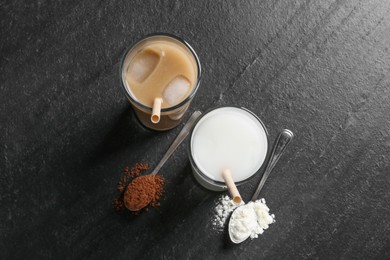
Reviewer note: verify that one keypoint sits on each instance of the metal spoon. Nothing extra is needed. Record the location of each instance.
(283, 139)
(178, 140)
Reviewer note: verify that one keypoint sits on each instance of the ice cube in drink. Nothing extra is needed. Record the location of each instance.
(176, 90)
(143, 65)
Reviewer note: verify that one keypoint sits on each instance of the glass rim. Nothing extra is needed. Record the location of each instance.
(183, 102)
(219, 183)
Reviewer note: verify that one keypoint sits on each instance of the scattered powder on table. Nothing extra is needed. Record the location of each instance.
(129, 173)
(224, 207)
(251, 220)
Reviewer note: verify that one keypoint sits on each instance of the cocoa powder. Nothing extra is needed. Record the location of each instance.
(143, 191)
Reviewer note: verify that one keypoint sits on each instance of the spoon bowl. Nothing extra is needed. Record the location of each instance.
(233, 216)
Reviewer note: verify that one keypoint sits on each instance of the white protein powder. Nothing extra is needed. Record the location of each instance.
(251, 220)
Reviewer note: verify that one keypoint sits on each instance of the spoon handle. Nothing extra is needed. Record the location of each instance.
(180, 137)
(280, 145)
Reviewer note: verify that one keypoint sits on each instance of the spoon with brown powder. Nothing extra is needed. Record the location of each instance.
(146, 189)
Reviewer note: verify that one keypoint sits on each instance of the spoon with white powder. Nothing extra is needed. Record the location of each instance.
(251, 219)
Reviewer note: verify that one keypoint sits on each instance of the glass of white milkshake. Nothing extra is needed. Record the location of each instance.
(231, 138)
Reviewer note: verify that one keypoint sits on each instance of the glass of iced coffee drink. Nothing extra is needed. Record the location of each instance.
(160, 75)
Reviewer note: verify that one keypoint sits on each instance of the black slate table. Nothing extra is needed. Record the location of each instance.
(319, 68)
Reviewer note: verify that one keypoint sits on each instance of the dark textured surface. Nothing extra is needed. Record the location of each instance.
(319, 68)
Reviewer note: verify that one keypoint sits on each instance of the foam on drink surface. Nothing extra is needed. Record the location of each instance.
(231, 138)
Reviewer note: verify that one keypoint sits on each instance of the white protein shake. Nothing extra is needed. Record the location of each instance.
(229, 138)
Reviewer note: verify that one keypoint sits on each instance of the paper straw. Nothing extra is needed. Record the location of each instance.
(155, 118)
(231, 186)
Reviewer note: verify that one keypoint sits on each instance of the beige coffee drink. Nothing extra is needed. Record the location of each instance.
(162, 69)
